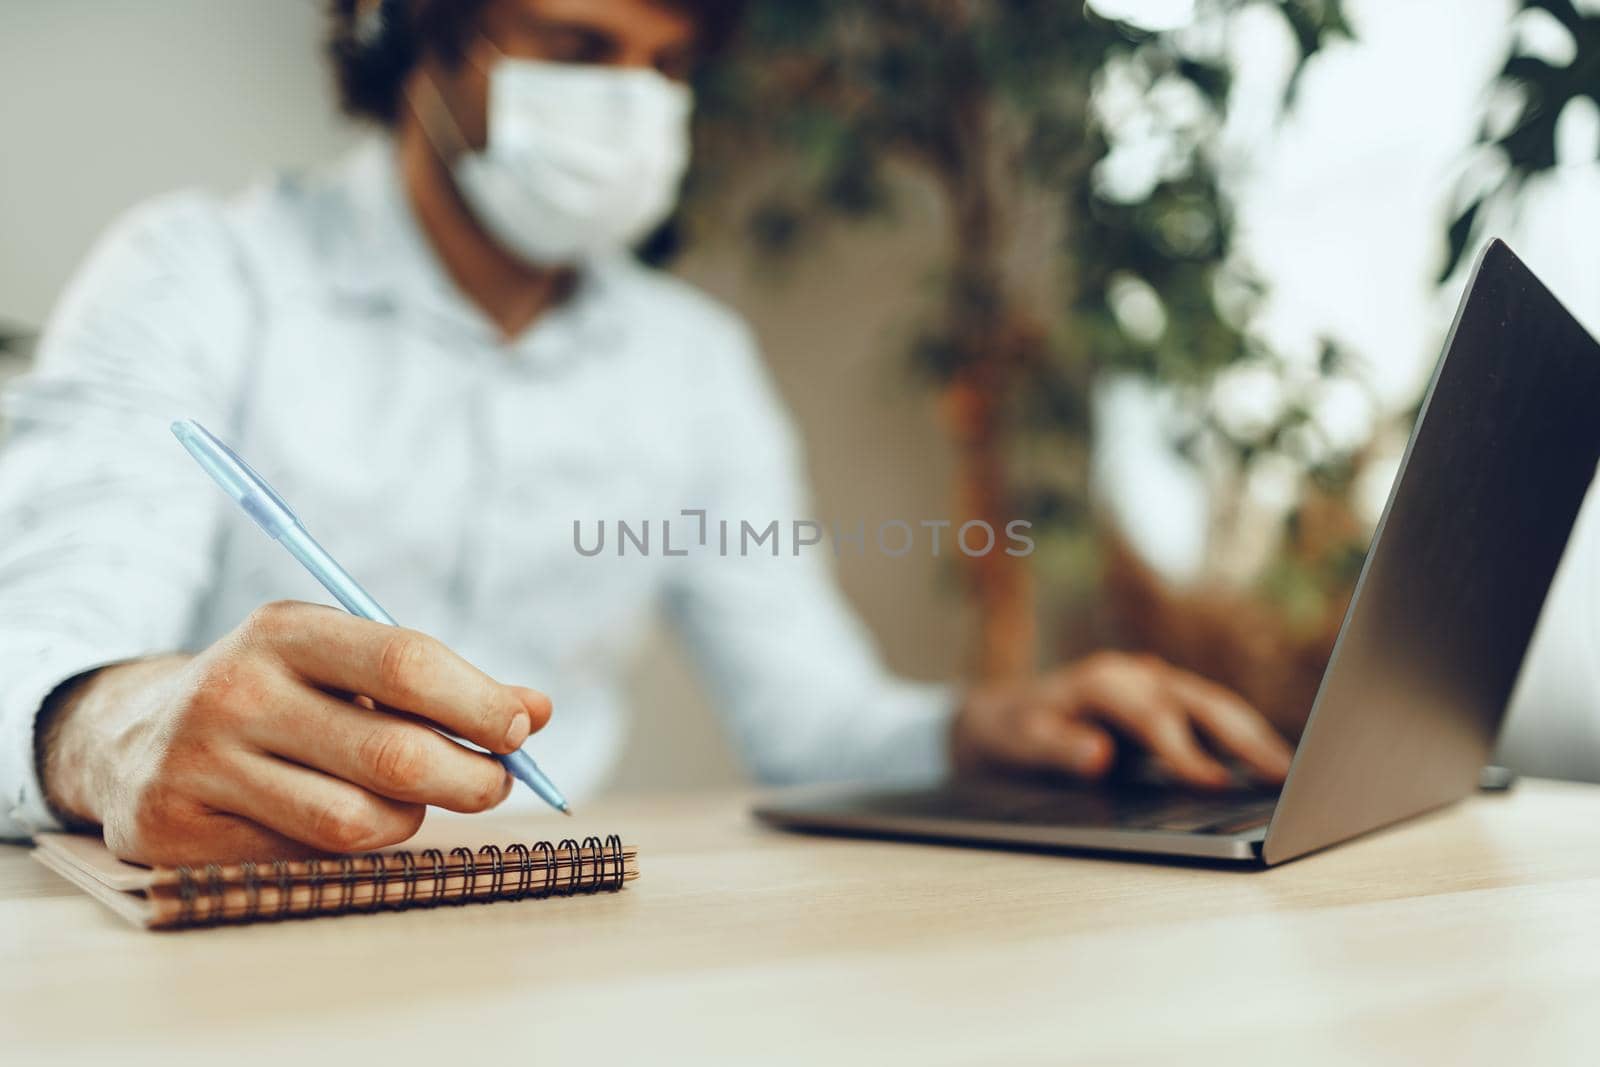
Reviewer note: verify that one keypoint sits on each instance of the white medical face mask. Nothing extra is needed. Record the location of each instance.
(580, 160)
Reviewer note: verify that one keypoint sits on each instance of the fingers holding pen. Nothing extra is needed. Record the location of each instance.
(402, 669)
(248, 749)
(316, 809)
(387, 754)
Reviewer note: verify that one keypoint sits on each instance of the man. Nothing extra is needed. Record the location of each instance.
(443, 352)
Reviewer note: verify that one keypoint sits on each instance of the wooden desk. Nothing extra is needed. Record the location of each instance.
(1470, 936)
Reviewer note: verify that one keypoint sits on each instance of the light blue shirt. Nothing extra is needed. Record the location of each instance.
(452, 495)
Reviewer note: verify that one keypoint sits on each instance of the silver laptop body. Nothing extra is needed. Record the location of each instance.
(1501, 456)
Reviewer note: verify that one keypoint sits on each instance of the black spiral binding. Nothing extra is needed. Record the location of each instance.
(347, 883)
(490, 873)
(380, 881)
(285, 898)
(252, 887)
(436, 875)
(469, 876)
(314, 883)
(186, 895)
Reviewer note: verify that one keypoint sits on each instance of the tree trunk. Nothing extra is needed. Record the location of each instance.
(989, 345)
(1001, 584)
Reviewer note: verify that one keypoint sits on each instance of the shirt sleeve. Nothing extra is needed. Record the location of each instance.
(796, 675)
(105, 547)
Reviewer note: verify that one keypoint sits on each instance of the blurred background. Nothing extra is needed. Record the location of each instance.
(1166, 277)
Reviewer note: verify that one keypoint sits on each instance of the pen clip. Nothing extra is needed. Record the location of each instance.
(236, 477)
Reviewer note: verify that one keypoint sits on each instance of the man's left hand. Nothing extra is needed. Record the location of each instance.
(1071, 721)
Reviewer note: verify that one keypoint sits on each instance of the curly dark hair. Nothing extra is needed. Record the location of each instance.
(373, 50)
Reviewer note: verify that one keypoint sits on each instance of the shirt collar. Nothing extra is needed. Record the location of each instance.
(390, 265)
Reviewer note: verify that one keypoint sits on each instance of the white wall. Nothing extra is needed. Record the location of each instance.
(106, 104)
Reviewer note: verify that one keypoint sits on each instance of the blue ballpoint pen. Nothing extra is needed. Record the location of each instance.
(273, 514)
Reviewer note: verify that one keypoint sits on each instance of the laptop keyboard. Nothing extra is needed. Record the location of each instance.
(1116, 807)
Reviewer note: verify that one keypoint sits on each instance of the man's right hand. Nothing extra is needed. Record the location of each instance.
(305, 730)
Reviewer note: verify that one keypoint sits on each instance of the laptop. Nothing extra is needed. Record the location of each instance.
(1500, 458)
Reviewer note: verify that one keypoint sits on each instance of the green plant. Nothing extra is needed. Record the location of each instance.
(1005, 104)
(1519, 144)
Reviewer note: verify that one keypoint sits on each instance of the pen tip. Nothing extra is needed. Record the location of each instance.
(566, 811)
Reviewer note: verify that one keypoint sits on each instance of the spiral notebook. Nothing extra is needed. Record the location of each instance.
(434, 869)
